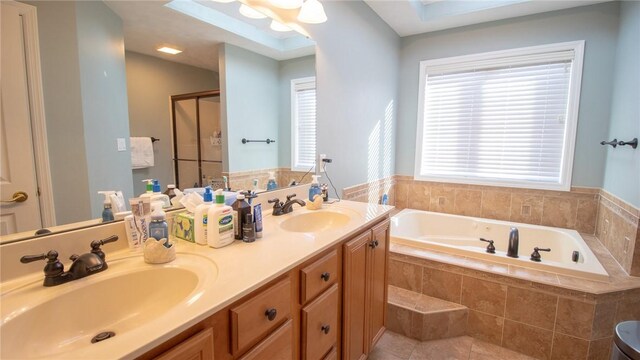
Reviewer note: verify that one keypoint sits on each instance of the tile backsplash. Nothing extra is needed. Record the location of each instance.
(587, 210)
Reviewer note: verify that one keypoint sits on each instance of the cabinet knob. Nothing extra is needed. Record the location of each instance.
(325, 276)
(271, 314)
(374, 244)
(325, 329)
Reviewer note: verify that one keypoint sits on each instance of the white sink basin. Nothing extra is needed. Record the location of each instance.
(315, 221)
(40, 322)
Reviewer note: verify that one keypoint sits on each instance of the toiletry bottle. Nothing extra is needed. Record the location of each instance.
(255, 186)
(257, 218)
(325, 192)
(241, 209)
(226, 183)
(158, 228)
(149, 188)
(315, 188)
(201, 217)
(158, 196)
(248, 229)
(220, 223)
(107, 214)
(272, 184)
(132, 233)
(171, 191)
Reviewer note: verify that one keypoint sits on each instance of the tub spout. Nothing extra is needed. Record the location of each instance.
(514, 238)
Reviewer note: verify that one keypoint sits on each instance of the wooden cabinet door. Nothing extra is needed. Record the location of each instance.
(320, 325)
(278, 346)
(197, 347)
(354, 296)
(377, 267)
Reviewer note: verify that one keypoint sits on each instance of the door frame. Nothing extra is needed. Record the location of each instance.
(36, 109)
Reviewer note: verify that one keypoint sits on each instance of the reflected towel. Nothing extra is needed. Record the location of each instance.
(141, 152)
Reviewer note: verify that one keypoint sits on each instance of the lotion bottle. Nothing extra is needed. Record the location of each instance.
(201, 217)
(220, 223)
(315, 188)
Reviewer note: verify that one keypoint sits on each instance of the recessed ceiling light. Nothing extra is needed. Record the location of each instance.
(286, 4)
(169, 50)
(251, 13)
(278, 26)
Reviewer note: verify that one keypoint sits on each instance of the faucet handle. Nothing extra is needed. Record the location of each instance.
(95, 245)
(52, 256)
(491, 249)
(535, 255)
(289, 197)
(275, 200)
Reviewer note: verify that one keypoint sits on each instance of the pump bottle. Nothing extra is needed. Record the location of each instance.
(107, 214)
(220, 223)
(315, 188)
(201, 217)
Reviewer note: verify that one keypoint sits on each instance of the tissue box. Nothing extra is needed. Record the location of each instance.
(183, 226)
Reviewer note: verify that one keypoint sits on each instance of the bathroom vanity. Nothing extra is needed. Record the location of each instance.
(314, 287)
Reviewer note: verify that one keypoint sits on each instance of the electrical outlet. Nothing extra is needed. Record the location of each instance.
(122, 144)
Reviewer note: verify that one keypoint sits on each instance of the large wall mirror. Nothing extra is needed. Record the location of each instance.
(104, 82)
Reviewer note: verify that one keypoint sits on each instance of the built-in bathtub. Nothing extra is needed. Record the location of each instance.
(461, 235)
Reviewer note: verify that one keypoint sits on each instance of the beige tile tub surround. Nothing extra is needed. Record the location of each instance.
(587, 210)
(543, 315)
(244, 179)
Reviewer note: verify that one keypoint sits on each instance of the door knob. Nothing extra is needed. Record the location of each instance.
(17, 197)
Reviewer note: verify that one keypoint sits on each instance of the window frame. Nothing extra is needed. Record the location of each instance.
(573, 105)
(294, 122)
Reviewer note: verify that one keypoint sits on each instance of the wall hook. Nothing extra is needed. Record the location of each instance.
(633, 143)
(613, 143)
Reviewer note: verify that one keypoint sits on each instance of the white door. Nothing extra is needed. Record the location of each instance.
(17, 169)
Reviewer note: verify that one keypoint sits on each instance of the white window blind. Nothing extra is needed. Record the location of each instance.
(303, 105)
(502, 121)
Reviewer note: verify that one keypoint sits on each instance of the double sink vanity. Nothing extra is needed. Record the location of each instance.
(313, 287)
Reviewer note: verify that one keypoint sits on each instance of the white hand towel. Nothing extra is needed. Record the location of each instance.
(141, 152)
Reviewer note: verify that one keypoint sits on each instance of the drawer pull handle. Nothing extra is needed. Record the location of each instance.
(325, 329)
(271, 314)
(325, 276)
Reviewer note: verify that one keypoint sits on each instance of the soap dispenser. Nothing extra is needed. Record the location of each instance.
(201, 217)
(149, 188)
(158, 196)
(107, 214)
(220, 223)
(272, 184)
(315, 188)
(158, 228)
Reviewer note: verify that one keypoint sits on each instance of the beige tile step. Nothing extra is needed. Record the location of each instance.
(423, 317)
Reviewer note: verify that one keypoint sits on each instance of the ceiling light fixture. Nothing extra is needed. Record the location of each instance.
(286, 4)
(168, 50)
(278, 26)
(223, 1)
(312, 12)
(251, 13)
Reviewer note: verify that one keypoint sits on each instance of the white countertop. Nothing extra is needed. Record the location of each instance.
(241, 269)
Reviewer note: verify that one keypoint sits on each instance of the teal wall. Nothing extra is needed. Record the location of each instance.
(250, 108)
(150, 83)
(103, 82)
(63, 109)
(357, 79)
(596, 24)
(622, 174)
(289, 70)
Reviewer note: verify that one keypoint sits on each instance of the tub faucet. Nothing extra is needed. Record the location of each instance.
(512, 251)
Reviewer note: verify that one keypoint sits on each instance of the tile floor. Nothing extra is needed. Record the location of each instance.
(393, 346)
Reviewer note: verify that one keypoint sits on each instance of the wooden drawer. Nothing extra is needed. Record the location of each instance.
(320, 325)
(278, 346)
(253, 319)
(332, 355)
(318, 276)
(197, 347)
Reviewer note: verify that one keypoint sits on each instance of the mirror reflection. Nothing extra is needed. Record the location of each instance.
(105, 90)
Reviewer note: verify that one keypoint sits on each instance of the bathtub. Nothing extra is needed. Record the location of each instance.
(461, 235)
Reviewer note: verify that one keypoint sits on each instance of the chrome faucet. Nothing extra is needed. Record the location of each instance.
(514, 238)
(83, 265)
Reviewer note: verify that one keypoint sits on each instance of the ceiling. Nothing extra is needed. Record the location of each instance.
(410, 17)
(149, 25)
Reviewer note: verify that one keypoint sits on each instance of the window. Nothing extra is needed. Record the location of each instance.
(303, 116)
(502, 118)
